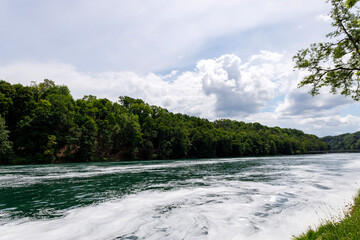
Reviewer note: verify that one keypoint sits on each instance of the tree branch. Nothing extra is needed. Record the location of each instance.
(352, 40)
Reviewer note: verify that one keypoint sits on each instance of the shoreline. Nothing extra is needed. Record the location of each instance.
(24, 160)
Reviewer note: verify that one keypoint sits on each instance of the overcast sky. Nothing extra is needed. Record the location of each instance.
(208, 58)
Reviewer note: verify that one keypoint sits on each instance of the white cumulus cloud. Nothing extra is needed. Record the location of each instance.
(220, 87)
(242, 89)
(262, 89)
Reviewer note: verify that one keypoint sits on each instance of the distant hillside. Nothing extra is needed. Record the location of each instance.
(349, 141)
(42, 123)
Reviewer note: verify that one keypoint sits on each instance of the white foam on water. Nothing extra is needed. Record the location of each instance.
(200, 213)
(227, 209)
(23, 176)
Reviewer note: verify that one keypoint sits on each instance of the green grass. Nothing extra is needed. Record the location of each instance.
(347, 228)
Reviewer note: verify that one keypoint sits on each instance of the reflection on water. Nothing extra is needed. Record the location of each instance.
(242, 198)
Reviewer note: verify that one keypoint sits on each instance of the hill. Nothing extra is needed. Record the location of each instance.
(348, 141)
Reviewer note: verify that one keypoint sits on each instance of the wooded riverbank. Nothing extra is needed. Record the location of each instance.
(42, 123)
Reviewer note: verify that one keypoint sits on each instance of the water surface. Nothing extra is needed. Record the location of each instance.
(241, 198)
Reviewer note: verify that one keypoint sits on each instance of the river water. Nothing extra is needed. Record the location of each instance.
(237, 198)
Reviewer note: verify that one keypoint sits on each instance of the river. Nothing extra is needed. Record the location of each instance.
(236, 198)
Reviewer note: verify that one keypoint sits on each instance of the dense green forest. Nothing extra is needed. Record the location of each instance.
(42, 123)
(349, 141)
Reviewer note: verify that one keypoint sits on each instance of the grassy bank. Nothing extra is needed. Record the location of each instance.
(347, 228)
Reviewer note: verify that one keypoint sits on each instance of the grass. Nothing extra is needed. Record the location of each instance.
(333, 229)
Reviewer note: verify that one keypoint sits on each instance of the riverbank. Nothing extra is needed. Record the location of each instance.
(347, 228)
(45, 124)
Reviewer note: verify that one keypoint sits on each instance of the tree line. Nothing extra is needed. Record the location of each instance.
(43, 123)
(348, 141)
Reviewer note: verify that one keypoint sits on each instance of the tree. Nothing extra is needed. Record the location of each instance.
(41, 88)
(87, 141)
(127, 135)
(49, 151)
(22, 104)
(128, 101)
(351, 3)
(47, 130)
(6, 151)
(335, 63)
(7, 92)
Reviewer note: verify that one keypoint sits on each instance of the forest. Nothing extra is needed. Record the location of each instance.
(43, 123)
(348, 141)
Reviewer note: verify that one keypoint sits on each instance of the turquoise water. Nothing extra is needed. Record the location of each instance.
(242, 198)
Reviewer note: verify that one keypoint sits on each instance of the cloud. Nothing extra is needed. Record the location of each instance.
(262, 89)
(324, 125)
(179, 93)
(221, 87)
(332, 121)
(242, 89)
(299, 103)
(321, 114)
(140, 36)
(323, 17)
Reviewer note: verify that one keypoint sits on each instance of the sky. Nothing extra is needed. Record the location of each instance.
(213, 59)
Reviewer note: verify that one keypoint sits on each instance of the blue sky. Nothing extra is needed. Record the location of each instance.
(213, 59)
